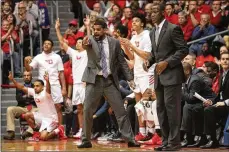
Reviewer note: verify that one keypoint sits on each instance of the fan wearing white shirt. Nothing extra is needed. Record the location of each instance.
(50, 62)
(79, 63)
(46, 119)
(140, 47)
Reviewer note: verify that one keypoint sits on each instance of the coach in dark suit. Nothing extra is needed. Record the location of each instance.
(193, 110)
(218, 109)
(169, 49)
(104, 59)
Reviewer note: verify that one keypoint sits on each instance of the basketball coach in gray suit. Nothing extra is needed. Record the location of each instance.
(104, 59)
(168, 49)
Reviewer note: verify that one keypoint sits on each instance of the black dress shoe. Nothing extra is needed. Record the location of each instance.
(85, 145)
(184, 143)
(172, 148)
(133, 143)
(210, 144)
(160, 148)
(199, 141)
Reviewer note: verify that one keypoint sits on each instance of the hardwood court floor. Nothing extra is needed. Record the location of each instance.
(70, 145)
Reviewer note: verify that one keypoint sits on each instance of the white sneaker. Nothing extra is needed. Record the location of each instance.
(78, 134)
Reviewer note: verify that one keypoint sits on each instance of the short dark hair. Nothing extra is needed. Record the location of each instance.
(79, 38)
(223, 54)
(48, 39)
(141, 17)
(212, 65)
(123, 30)
(101, 22)
(161, 6)
(39, 80)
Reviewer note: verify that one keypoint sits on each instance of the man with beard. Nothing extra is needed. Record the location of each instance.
(206, 56)
(101, 77)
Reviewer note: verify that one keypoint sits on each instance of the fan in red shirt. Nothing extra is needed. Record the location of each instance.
(127, 19)
(206, 56)
(215, 14)
(6, 33)
(72, 33)
(185, 26)
(194, 15)
(169, 14)
(203, 8)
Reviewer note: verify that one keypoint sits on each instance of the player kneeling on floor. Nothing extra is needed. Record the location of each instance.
(45, 120)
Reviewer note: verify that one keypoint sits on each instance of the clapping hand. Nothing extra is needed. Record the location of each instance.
(86, 40)
(28, 59)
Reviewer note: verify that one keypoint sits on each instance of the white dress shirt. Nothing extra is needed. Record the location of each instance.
(160, 25)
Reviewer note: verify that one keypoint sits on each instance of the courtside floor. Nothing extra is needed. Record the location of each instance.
(70, 145)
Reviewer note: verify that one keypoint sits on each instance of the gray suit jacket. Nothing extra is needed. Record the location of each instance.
(172, 48)
(116, 61)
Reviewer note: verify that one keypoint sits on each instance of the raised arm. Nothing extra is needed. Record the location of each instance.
(48, 87)
(18, 85)
(59, 36)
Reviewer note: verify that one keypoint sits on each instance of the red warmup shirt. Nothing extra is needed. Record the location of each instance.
(72, 38)
(187, 31)
(201, 59)
(172, 18)
(215, 20)
(215, 84)
(196, 15)
(204, 9)
(5, 44)
(68, 73)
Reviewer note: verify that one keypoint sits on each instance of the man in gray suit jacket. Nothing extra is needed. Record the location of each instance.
(169, 49)
(104, 59)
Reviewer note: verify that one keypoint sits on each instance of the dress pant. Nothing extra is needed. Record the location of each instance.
(15, 112)
(212, 115)
(169, 112)
(193, 118)
(94, 92)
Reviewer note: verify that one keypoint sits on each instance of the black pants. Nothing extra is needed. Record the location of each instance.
(169, 112)
(213, 115)
(193, 118)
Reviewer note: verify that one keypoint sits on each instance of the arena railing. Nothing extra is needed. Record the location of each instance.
(21, 42)
(207, 37)
(31, 38)
(40, 30)
(11, 44)
(54, 3)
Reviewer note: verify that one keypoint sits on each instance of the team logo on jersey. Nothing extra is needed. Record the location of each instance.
(137, 43)
(78, 57)
(37, 100)
(49, 61)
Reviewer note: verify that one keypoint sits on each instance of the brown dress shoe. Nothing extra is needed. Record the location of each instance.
(9, 136)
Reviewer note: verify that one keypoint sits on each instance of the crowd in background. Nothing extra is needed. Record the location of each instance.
(197, 19)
